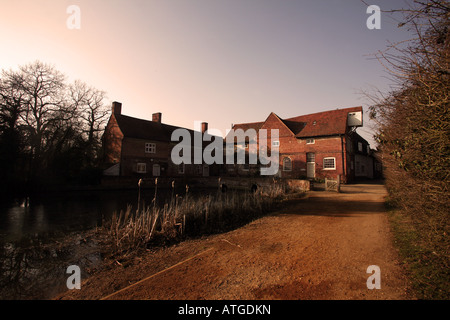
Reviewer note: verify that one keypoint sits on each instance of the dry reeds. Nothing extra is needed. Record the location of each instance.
(187, 215)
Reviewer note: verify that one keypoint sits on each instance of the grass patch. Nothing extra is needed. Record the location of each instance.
(425, 257)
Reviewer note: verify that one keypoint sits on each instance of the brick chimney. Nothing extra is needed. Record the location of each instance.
(116, 107)
(204, 127)
(156, 117)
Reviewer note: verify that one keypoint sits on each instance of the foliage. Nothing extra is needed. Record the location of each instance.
(414, 130)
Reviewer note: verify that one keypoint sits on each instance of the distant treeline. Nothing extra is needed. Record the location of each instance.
(414, 137)
(50, 131)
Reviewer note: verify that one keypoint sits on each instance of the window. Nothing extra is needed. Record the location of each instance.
(276, 143)
(287, 164)
(310, 141)
(310, 157)
(329, 163)
(150, 148)
(141, 168)
(360, 146)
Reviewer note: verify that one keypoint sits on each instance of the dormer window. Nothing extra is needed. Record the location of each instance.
(310, 141)
(314, 123)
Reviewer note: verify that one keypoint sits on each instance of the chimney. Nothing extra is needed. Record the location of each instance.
(204, 127)
(116, 107)
(156, 117)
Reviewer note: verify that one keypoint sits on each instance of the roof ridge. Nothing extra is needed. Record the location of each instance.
(326, 111)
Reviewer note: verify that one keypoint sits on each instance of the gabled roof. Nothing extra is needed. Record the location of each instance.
(326, 123)
(144, 129)
(333, 122)
(148, 130)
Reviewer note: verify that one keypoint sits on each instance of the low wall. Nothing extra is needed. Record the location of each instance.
(247, 183)
(298, 185)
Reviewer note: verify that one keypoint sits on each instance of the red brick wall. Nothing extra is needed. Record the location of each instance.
(297, 149)
(112, 142)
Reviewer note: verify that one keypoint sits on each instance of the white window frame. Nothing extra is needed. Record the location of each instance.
(284, 165)
(276, 143)
(334, 163)
(141, 167)
(150, 147)
(310, 141)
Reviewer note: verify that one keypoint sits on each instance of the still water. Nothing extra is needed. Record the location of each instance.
(31, 266)
(58, 213)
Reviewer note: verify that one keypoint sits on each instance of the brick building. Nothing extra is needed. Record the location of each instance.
(142, 148)
(319, 145)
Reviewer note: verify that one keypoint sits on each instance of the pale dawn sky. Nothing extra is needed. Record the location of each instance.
(219, 61)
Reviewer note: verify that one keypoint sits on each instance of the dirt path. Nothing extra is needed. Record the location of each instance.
(316, 248)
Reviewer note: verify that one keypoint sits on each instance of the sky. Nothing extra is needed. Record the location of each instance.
(217, 61)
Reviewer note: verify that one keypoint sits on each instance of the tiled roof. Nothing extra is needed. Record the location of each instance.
(144, 129)
(326, 123)
(148, 130)
(245, 126)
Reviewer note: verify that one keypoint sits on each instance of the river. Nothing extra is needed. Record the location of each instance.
(32, 267)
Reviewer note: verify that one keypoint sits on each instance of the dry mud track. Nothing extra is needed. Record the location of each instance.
(318, 247)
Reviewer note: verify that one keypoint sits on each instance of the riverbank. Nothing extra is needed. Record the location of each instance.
(318, 247)
(35, 267)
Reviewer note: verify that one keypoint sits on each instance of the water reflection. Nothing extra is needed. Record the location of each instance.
(41, 236)
(60, 213)
(32, 269)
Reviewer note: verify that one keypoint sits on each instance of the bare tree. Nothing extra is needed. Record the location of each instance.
(11, 142)
(91, 111)
(43, 105)
(58, 125)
